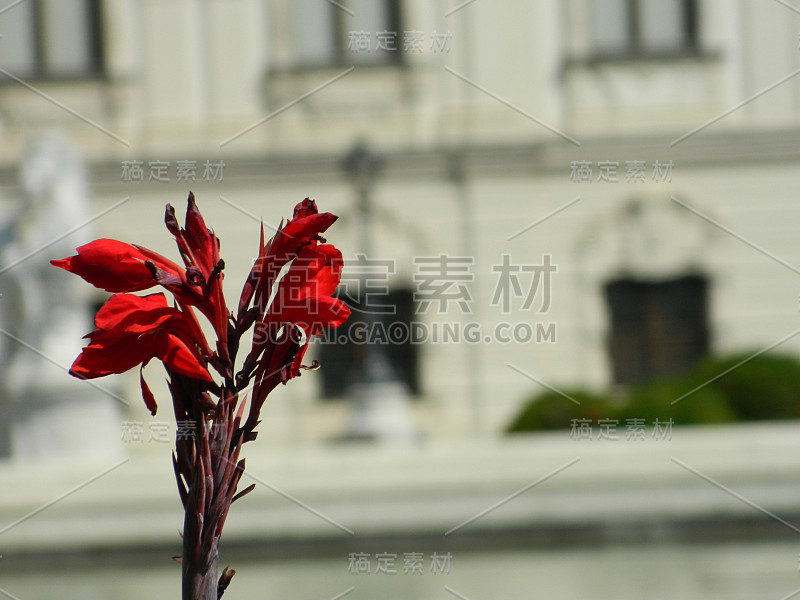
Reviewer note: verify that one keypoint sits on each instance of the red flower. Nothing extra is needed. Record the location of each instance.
(119, 267)
(303, 295)
(301, 232)
(302, 305)
(131, 330)
(199, 248)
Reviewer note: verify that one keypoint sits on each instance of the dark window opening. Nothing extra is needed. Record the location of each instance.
(342, 351)
(658, 329)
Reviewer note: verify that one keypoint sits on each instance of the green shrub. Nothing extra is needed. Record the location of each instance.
(735, 388)
(550, 410)
(761, 388)
(667, 399)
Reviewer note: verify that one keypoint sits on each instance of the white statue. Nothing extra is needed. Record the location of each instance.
(44, 311)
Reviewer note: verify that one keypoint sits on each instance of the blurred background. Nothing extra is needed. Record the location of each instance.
(570, 233)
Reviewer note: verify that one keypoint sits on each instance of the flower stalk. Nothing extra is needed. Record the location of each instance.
(286, 300)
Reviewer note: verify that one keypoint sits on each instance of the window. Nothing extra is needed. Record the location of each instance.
(657, 328)
(323, 34)
(51, 39)
(633, 28)
(391, 335)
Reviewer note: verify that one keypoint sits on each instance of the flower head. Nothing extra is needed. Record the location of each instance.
(131, 330)
(291, 309)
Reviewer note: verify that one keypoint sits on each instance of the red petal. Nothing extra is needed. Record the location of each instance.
(110, 265)
(134, 314)
(321, 312)
(330, 313)
(159, 260)
(315, 272)
(178, 357)
(294, 236)
(147, 395)
(328, 274)
(111, 352)
(298, 232)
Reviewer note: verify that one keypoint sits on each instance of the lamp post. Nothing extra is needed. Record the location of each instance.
(380, 399)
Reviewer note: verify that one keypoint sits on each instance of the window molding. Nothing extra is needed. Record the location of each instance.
(597, 59)
(339, 55)
(636, 49)
(42, 71)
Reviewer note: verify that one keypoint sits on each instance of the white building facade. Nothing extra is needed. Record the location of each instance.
(578, 144)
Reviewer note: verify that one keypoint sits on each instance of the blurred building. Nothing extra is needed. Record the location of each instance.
(582, 193)
(533, 195)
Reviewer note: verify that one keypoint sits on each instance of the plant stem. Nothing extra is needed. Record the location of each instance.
(199, 563)
(200, 581)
